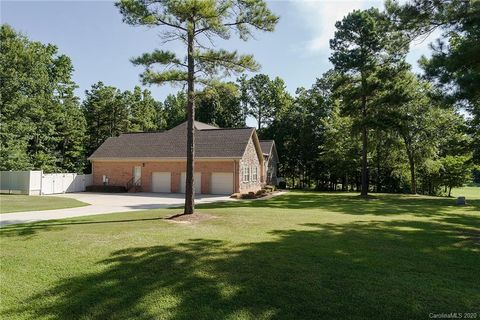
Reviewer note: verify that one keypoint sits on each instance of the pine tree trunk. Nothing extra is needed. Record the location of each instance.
(189, 183)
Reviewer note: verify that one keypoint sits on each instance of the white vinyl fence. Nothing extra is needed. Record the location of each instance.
(39, 183)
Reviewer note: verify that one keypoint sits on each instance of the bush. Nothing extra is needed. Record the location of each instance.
(269, 188)
(250, 195)
(109, 189)
(282, 185)
(261, 192)
(236, 196)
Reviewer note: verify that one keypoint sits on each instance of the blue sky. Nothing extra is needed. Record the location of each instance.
(100, 45)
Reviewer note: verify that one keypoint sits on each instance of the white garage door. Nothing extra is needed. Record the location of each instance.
(161, 181)
(222, 183)
(197, 181)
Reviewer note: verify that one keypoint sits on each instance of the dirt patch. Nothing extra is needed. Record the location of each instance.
(187, 218)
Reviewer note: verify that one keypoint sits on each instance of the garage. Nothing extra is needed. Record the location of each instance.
(161, 181)
(197, 181)
(222, 183)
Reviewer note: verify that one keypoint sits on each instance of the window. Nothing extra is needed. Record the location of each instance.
(254, 173)
(246, 174)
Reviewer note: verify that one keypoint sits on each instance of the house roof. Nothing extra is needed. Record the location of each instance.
(210, 142)
(269, 149)
(266, 146)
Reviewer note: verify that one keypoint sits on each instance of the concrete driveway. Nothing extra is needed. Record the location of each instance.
(101, 203)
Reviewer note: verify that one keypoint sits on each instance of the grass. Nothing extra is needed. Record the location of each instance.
(19, 203)
(302, 255)
(472, 192)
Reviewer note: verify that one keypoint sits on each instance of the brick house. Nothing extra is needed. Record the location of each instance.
(226, 160)
(270, 160)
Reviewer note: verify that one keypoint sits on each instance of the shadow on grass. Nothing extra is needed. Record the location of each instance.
(349, 203)
(30, 229)
(381, 270)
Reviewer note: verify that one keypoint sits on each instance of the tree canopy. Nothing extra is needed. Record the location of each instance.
(367, 53)
(368, 124)
(42, 125)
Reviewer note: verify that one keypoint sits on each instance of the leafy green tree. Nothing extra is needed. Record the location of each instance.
(413, 117)
(106, 112)
(455, 172)
(389, 172)
(38, 107)
(298, 130)
(263, 97)
(192, 22)
(160, 116)
(340, 150)
(426, 126)
(429, 176)
(175, 109)
(220, 105)
(366, 54)
(454, 65)
(142, 110)
(71, 130)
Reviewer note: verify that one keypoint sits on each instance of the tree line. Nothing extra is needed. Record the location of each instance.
(368, 124)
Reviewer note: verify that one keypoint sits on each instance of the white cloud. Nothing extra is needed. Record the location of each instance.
(321, 15)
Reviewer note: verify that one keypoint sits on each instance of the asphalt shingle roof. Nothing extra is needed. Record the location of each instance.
(210, 142)
(266, 146)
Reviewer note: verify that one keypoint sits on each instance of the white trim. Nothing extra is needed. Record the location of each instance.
(254, 174)
(245, 173)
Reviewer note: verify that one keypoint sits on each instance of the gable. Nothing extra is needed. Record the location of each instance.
(254, 144)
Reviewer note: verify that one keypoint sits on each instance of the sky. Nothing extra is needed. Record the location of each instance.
(100, 45)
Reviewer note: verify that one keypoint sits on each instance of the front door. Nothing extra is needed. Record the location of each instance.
(137, 174)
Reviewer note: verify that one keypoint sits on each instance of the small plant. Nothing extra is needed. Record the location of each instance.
(261, 193)
(269, 188)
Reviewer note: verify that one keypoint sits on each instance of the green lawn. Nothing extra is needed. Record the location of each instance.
(468, 192)
(297, 256)
(20, 203)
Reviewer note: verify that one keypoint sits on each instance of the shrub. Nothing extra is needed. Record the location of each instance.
(282, 185)
(261, 192)
(250, 195)
(269, 188)
(109, 189)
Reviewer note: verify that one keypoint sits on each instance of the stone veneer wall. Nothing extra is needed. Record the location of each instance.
(250, 159)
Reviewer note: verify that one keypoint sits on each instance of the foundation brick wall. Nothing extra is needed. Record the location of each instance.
(120, 172)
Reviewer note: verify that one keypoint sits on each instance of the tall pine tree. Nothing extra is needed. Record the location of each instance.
(366, 54)
(191, 22)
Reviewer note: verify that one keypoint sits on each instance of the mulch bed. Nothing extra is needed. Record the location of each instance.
(270, 195)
